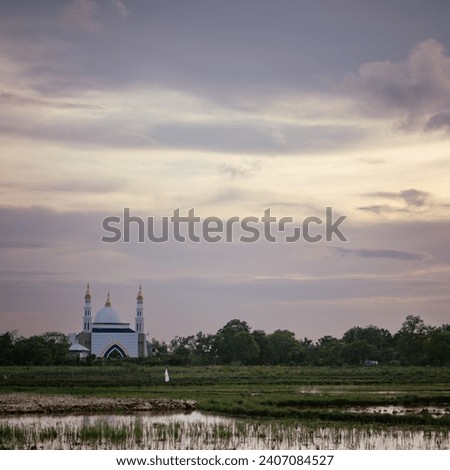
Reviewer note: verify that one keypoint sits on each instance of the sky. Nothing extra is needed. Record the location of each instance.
(230, 109)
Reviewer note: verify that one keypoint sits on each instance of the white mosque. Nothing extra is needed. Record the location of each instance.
(106, 336)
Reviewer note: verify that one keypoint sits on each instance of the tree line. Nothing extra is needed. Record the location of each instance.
(235, 343)
(48, 349)
(414, 344)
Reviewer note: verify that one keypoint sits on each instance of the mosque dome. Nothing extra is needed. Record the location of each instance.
(107, 314)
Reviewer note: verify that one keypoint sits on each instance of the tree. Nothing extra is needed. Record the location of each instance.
(413, 324)
(46, 349)
(379, 341)
(204, 348)
(284, 348)
(329, 351)
(180, 350)
(262, 341)
(33, 351)
(57, 345)
(234, 343)
(358, 351)
(437, 346)
(410, 340)
(160, 349)
(378, 337)
(7, 344)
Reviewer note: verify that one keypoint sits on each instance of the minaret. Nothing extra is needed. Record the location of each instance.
(140, 312)
(87, 319)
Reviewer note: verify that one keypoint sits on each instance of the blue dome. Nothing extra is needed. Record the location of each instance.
(106, 315)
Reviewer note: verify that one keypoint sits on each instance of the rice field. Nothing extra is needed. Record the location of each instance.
(200, 431)
(239, 407)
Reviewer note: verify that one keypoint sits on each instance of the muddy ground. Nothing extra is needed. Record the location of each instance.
(22, 403)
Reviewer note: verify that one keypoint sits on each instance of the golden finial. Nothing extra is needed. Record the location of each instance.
(87, 296)
(140, 296)
(108, 301)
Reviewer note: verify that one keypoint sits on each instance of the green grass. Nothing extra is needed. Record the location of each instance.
(130, 374)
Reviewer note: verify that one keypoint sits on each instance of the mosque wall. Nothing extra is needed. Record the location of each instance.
(102, 342)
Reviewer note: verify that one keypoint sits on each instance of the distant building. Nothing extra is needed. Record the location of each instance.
(106, 336)
(370, 363)
(76, 350)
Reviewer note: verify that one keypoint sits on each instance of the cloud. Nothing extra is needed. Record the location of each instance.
(438, 121)
(372, 161)
(411, 197)
(400, 255)
(88, 16)
(23, 245)
(80, 16)
(121, 8)
(21, 100)
(253, 135)
(281, 277)
(245, 169)
(78, 186)
(39, 227)
(416, 90)
(380, 209)
(411, 200)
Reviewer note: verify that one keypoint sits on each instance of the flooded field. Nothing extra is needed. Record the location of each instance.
(125, 406)
(434, 411)
(202, 431)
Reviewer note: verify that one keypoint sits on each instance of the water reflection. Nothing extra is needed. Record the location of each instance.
(201, 431)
